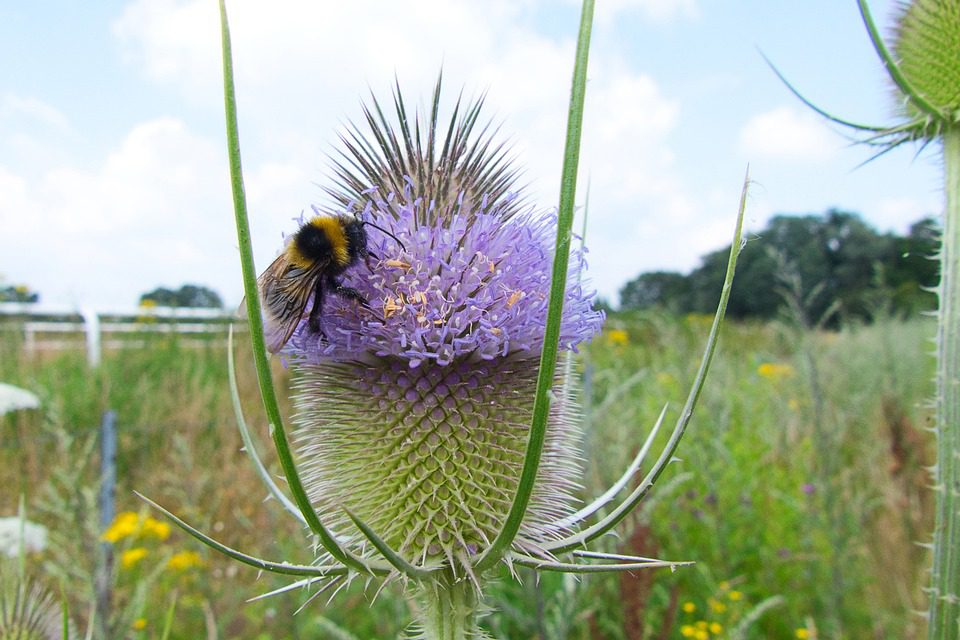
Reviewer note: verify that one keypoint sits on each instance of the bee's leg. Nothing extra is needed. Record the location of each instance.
(349, 293)
(314, 321)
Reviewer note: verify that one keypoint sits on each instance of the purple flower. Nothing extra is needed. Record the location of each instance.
(469, 286)
(413, 412)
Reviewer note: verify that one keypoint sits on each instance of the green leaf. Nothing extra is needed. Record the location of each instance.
(618, 514)
(551, 339)
(261, 362)
(264, 565)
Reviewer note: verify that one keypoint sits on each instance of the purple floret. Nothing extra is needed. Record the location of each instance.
(469, 285)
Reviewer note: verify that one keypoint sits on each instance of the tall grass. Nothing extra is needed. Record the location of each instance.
(749, 501)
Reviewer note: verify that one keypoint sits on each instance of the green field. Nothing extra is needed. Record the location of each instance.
(801, 493)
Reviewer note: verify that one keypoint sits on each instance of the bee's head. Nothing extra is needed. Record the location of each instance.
(356, 238)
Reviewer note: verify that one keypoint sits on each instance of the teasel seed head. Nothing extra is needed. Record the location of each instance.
(926, 41)
(414, 415)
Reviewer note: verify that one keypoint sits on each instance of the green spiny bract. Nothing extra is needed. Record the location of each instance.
(27, 610)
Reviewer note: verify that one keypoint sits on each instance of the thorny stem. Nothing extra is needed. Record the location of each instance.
(944, 620)
(450, 609)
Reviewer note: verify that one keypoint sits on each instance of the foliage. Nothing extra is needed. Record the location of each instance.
(856, 267)
(745, 502)
(189, 295)
(18, 293)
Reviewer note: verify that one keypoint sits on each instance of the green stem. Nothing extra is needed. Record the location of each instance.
(450, 609)
(558, 288)
(945, 576)
(261, 362)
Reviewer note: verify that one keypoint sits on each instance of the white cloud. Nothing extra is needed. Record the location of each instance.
(153, 212)
(785, 133)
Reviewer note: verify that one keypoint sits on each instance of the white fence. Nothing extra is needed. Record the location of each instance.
(51, 328)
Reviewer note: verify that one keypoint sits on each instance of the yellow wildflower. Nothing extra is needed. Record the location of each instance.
(689, 607)
(701, 634)
(716, 605)
(184, 560)
(124, 525)
(802, 634)
(687, 631)
(155, 528)
(775, 371)
(139, 624)
(131, 557)
(735, 595)
(725, 585)
(716, 628)
(617, 337)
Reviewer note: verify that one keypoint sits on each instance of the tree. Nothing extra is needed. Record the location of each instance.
(667, 289)
(18, 293)
(188, 295)
(852, 265)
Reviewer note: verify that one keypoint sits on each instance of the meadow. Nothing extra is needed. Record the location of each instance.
(801, 490)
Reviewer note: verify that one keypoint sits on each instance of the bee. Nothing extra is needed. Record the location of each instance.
(319, 252)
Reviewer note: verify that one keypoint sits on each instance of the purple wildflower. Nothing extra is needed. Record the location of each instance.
(413, 414)
(469, 286)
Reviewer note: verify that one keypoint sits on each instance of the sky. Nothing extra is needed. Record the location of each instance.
(113, 173)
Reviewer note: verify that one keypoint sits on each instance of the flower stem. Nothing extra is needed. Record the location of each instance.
(450, 609)
(944, 621)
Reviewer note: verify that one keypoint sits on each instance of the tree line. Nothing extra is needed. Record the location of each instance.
(188, 295)
(842, 263)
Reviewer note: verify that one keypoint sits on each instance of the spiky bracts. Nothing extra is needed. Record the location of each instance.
(415, 416)
(464, 166)
(28, 611)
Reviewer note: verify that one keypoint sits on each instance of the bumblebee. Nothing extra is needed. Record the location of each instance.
(319, 252)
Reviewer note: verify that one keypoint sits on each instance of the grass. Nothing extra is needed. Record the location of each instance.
(801, 491)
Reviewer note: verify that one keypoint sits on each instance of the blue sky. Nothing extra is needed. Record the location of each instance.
(112, 154)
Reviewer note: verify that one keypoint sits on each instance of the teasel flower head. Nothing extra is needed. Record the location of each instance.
(27, 610)
(413, 414)
(436, 437)
(925, 44)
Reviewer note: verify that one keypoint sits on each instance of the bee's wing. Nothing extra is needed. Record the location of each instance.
(284, 292)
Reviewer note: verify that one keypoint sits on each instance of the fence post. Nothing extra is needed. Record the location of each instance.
(91, 325)
(105, 504)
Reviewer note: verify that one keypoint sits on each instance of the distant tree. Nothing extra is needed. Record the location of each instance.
(853, 266)
(18, 293)
(188, 295)
(667, 289)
